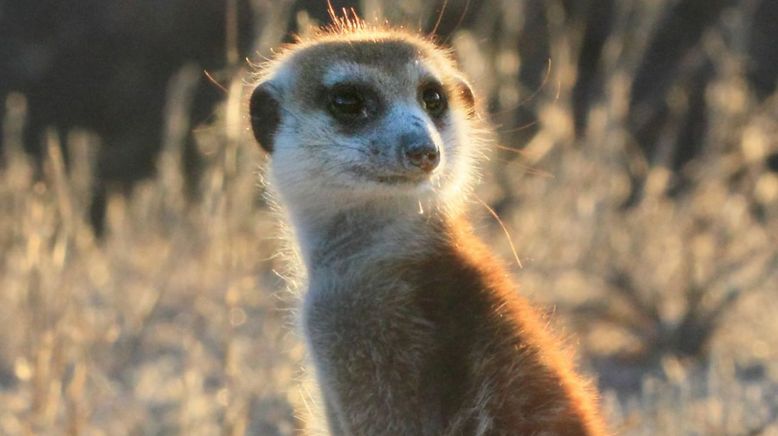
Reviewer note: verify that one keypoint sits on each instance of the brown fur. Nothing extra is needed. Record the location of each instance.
(481, 315)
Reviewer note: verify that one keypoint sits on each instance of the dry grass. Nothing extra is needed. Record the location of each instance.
(176, 322)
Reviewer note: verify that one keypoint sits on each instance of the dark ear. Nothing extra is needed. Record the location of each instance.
(265, 115)
(466, 96)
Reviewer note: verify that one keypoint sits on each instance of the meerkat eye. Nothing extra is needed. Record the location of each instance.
(433, 99)
(346, 102)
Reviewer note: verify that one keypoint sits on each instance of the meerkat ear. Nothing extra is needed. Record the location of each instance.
(465, 92)
(265, 114)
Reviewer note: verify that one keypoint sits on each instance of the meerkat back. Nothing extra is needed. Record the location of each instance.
(412, 325)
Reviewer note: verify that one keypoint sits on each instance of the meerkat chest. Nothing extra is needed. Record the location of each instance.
(365, 258)
(367, 284)
(364, 318)
(363, 287)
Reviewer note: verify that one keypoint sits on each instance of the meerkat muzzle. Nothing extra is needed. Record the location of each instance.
(420, 152)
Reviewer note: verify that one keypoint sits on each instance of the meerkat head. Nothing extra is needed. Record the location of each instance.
(356, 114)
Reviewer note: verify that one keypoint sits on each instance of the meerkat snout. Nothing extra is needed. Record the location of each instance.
(419, 151)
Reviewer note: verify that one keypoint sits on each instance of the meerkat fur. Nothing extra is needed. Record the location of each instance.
(412, 325)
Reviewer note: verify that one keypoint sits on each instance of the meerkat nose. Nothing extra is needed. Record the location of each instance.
(422, 154)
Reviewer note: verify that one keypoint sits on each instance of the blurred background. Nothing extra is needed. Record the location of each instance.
(636, 171)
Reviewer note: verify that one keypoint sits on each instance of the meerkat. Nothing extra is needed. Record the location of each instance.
(413, 326)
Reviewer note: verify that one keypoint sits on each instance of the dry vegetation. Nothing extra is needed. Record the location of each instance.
(176, 320)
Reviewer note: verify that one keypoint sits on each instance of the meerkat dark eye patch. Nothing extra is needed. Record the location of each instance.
(352, 104)
(346, 101)
(265, 114)
(433, 99)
